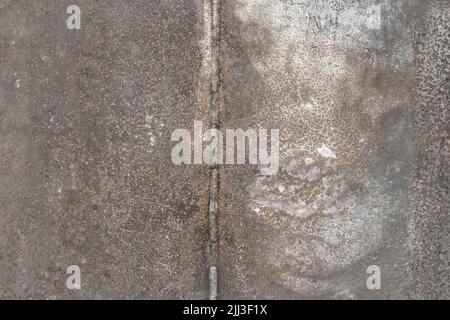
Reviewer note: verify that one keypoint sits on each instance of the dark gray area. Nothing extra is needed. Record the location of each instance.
(360, 91)
(86, 118)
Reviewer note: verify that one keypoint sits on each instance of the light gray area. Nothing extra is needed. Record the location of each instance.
(360, 91)
(362, 106)
(336, 87)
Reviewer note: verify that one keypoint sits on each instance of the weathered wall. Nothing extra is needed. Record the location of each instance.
(432, 138)
(336, 78)
(359, 90)
(86, 118)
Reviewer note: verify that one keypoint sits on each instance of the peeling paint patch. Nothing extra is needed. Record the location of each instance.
(326, 152)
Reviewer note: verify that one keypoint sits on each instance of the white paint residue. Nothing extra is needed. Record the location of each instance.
(326, 152)
(373, 20)
(324, 226)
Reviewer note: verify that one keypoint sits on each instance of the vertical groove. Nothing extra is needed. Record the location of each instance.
(212, 23)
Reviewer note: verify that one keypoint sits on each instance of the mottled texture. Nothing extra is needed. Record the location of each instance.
(337, 79)
(432, 127)
(86, 117)
(359, 89)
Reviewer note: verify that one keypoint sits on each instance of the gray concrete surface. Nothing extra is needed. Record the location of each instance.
(87, 179)
(359, 90)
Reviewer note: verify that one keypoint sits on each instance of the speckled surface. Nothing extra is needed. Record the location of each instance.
(337, 78)
(359, 90)
(85, 151)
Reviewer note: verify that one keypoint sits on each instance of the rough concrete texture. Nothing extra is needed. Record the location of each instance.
(87, 179)
(360, 91)
(338, 78)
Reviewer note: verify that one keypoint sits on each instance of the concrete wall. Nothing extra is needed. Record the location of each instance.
(358, 89)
